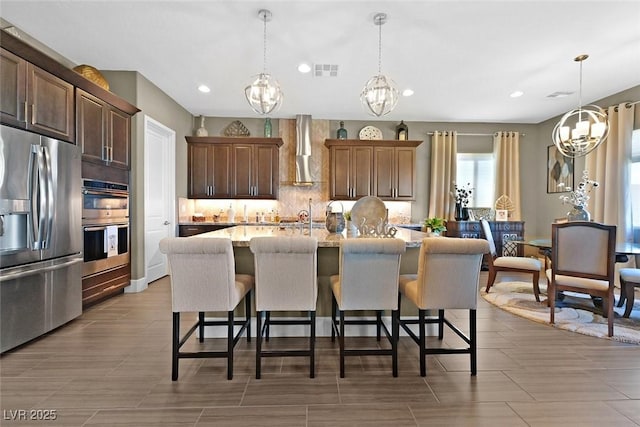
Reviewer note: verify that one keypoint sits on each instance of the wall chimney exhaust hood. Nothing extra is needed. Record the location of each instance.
(303, 150)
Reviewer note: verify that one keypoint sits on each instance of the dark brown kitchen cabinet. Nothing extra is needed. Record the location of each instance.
(34, 99)
(351, 172)
(384, 168)
(394, 173)
(104, 132)
(233, 167)
(209, 167)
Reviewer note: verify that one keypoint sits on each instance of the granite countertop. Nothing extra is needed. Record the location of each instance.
(315, 222)
(241, 234)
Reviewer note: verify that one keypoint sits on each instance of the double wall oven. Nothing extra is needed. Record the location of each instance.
(105, 223)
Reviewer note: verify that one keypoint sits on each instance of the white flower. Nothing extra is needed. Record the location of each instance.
(580, 196)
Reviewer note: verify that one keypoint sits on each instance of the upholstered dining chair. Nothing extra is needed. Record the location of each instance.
(512, 264)
(286, 280)
(448, 278)
(582, 260)
(629, 280)
(203, 280)
(367, 280)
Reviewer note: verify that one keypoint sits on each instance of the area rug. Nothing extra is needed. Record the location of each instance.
(572, 313)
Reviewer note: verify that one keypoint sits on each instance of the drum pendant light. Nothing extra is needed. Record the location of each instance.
(380, 95)
(580, 131)
(264, 94)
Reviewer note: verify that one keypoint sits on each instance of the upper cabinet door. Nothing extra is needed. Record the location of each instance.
(243, 169)
(200, 171)
(91, 126)
(118, 138)
(384, 170)
(50, 106)
(361, 172)
(340, 173)
(405, 173)
(13, 88)
(265, 176)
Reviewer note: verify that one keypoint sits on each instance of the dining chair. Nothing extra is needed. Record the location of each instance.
(582, 260)
(447, 278)
(286, 280)
(203, 279)
(511, 264)
(367, 280)
(629, 280)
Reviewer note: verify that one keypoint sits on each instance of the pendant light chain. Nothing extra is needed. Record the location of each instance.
(264, 44)
(380, 46)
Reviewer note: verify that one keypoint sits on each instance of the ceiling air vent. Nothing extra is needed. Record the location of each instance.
(325, 70)
(559, 94)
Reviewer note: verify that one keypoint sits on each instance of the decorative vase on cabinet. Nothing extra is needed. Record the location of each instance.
(202, 131)
(267, 127)
(342, 132)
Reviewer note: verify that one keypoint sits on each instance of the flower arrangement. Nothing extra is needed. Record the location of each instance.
(580, 196)
(462, 194)
(435, 224)
(347, 215)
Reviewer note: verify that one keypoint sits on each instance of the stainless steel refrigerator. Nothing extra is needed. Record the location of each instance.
(40, 235)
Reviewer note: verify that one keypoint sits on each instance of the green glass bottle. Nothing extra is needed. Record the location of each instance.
(267, 127)
(342, 132)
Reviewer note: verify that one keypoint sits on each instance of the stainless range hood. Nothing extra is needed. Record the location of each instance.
(303, 150)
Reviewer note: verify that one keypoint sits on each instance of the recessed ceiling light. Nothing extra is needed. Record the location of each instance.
(204, 89)
(304, 67)
(407, 92)
(517, 94)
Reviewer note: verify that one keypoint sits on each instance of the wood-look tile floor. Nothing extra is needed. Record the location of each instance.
(111, 367)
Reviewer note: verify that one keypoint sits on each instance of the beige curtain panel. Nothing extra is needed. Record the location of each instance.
(444, 146)
(506, 146)
(610, 165)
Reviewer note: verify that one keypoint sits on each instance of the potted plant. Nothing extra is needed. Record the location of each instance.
(351, 227)
(435, 226)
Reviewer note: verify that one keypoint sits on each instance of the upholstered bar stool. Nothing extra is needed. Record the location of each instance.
(203, 279)
(368, 280)
(448, 275)
(286, 280)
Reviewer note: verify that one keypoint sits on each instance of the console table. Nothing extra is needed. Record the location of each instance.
(503, 232)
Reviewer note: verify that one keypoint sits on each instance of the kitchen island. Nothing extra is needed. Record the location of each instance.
(328, 255)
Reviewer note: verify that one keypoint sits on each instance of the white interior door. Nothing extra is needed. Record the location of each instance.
(159, 200)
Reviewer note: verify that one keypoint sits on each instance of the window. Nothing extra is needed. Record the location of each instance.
(478, 169)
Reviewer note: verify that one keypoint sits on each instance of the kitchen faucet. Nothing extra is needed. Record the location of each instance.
(310, 218)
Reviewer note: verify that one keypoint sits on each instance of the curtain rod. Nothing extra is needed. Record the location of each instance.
(627, 105)
(478, 134)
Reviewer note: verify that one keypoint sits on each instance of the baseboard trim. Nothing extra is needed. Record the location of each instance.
(323, 328)
(135, 286)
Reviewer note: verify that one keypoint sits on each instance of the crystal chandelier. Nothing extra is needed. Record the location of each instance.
(380, 94)
(264, 94)
(580, 131)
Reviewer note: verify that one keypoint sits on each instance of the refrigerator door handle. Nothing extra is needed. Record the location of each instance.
(50, 197)
(37, 202)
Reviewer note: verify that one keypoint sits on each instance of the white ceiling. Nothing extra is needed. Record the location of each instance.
(462, 58)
